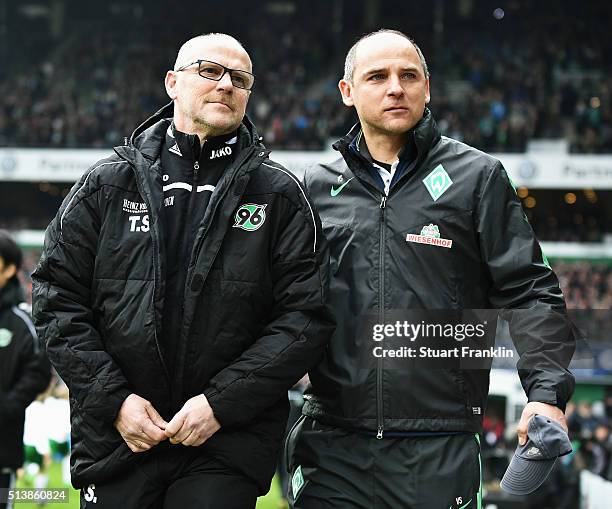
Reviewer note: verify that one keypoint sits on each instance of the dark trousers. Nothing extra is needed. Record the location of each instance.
(7, 481)
(332, 468)
(176, 478)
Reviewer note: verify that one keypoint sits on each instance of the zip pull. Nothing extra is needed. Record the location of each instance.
(379, 434)
(383, 201)
(196, 168)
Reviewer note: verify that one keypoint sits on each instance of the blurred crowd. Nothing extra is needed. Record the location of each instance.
(590, 426)
(585, 285)
(555, 224)
(497, 81)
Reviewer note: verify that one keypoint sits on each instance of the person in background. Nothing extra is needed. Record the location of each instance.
(24, 368)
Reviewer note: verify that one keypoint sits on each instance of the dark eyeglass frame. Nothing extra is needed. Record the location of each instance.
(225, 71)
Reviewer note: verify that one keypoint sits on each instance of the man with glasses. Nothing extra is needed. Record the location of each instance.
(180, 295)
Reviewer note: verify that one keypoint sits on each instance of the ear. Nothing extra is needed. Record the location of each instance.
(10, 271)
(170, 83)
(347, 92)
(427, 95)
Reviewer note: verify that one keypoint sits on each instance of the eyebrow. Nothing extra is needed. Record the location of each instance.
(377, 70)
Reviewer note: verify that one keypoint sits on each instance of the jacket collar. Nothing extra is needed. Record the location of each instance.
(188, 146)
(425, 135)
(148, 137)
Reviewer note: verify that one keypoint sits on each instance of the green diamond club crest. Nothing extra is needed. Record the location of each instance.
(297, 481)
(250, 216)
(437, 182)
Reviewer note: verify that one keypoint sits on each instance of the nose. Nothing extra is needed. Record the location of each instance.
(394, 86)
(225, 83)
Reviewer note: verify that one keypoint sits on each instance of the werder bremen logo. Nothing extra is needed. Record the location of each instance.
(297, 481)
(437, 182)
(250, 216)
(431, 230)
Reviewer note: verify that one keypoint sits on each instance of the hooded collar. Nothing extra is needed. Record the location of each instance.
(188, 146)
(11, 294)
(149, 136)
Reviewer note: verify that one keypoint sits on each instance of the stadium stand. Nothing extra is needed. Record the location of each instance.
(502, 77)
(497, 83)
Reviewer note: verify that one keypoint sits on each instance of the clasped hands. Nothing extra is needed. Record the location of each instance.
(142, 427)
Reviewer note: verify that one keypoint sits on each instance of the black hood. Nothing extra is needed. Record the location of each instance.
(149, 135)
(12, 294)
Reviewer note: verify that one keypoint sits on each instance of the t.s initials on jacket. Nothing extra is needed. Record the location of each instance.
(450, 235)
(254, 318)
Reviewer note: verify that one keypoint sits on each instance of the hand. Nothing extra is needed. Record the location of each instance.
(139, 424)
(193, 424)
(535, 407)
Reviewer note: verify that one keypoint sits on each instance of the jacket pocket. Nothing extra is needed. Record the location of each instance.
(426, 393)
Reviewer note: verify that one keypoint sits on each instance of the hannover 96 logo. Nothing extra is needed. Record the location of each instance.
(250, 216)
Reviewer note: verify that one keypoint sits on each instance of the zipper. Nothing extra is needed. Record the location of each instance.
(379, 362)
(192, 200)
(194, 192)
(199, 241)
(195, 253)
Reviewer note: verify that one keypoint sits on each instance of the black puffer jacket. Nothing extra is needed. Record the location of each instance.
(450, 236)
(24, 372)
(254, 315)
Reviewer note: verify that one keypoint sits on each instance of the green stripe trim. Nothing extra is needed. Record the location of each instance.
(479, 495)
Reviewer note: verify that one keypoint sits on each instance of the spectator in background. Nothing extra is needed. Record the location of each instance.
(69, 98)
(600, 450)
(588, 422)
(24, 369)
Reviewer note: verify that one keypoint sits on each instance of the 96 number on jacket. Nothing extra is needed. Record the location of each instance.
(250, 216)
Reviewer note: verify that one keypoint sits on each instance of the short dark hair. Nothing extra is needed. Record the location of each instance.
(10, 252)
(349, 63)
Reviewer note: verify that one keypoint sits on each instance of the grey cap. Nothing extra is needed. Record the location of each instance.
(533, 462)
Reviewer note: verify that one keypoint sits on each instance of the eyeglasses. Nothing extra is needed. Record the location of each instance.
(214, 71)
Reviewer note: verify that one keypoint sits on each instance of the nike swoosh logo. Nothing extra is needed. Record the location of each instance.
(463, 506)
(336, 191)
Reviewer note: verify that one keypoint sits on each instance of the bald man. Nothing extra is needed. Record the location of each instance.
(180, 294)
(417, 222)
